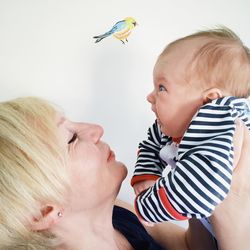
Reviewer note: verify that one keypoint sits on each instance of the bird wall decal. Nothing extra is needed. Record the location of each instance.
(121, 30)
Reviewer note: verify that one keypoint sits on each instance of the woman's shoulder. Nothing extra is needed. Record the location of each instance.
(125, 221)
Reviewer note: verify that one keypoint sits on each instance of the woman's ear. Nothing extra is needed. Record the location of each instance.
(211, 94)
(49, 216)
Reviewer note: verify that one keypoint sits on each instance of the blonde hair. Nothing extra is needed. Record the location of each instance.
(33, 170)
(222, 61)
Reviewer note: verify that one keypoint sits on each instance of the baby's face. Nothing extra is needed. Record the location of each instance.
(173, 100)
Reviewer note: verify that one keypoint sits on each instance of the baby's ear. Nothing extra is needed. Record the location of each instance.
(211, 94)
(49, 215)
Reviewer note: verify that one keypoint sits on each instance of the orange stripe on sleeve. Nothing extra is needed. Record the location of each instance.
(145, 177)
(168, 206)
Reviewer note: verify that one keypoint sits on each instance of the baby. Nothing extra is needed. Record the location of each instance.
(201, 83)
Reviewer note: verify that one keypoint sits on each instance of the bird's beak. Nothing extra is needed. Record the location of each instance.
(135, 23)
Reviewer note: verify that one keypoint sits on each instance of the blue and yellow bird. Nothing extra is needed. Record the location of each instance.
(121, 30)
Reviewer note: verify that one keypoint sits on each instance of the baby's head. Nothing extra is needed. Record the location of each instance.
(217, 58)
(194, 70)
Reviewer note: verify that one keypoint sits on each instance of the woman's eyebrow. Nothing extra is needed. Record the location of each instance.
(61, 121)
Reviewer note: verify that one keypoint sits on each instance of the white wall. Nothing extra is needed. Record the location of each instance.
(47, 50)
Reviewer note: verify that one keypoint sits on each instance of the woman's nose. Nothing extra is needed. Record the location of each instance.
(93, 132)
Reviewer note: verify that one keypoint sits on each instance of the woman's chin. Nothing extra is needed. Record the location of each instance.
(124, 170)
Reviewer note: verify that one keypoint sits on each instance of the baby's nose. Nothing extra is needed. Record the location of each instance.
(150, 97)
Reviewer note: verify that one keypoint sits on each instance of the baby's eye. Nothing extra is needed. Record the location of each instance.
(73, 138)
(162, 88)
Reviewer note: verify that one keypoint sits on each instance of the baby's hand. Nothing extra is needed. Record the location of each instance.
(143, 185)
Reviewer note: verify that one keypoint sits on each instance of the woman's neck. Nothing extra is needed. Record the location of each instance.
(89, 229)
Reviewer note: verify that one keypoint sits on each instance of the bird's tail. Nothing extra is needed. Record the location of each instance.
(99, 38)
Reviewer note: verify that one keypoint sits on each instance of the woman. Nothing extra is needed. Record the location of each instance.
(59, 182)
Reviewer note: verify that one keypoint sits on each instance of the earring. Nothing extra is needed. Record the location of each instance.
(59, 214)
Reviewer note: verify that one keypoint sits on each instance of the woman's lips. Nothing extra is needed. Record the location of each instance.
(111, 155)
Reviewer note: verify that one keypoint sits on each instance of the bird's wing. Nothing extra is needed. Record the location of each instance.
(118, 27)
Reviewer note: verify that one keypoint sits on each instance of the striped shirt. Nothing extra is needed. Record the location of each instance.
(201, 165)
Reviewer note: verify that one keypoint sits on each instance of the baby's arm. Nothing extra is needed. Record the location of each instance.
(148, 167)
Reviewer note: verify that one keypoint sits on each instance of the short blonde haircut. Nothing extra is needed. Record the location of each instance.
(33, 170)
(221, 61)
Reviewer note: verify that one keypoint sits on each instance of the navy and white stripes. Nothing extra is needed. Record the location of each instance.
(202, 176)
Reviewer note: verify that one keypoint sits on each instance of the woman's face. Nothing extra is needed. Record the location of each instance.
(96, 176)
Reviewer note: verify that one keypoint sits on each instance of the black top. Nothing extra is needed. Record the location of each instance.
(128, 224)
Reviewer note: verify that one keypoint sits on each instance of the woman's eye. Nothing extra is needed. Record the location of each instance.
(162, 88)
(73, 138)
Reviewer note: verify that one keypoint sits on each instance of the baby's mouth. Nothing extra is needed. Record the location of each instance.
(158, 121)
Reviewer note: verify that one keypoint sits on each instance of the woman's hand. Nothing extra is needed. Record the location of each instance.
(231, 219)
